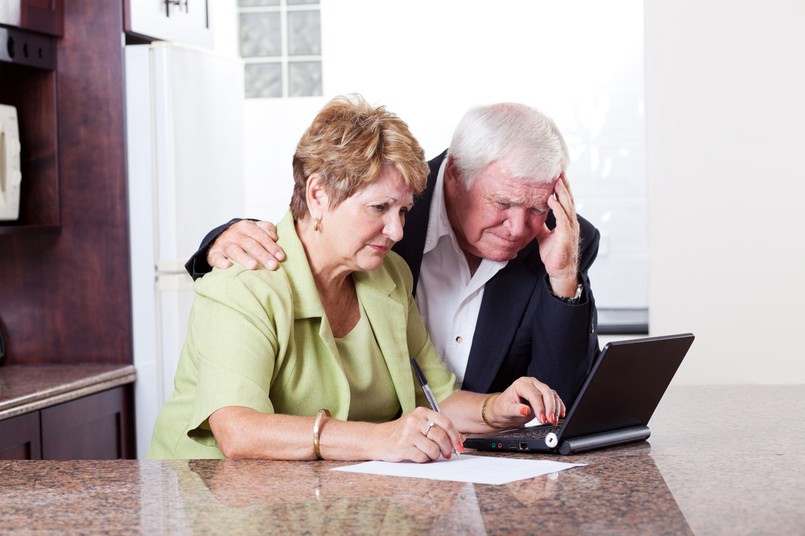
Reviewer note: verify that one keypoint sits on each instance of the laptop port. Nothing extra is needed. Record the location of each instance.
(523, 445)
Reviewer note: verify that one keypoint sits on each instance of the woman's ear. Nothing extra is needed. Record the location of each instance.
(315, 196)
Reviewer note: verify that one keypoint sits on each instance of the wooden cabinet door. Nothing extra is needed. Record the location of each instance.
(95, 427)
(182, 21)
(45, 16)
(19, 437)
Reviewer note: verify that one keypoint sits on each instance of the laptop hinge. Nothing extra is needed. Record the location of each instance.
(604, 439)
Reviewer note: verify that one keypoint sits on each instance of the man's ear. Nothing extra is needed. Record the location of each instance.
(316, 197)
(451, 177)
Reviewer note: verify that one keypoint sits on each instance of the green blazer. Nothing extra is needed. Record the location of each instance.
(259, 339)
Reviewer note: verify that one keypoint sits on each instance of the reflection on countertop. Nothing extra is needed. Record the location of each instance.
(306, 497)
(699, 473)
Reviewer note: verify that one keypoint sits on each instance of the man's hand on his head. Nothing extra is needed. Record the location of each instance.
(249, 243)
(559, 248)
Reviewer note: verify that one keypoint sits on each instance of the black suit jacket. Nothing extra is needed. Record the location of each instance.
(522, 330)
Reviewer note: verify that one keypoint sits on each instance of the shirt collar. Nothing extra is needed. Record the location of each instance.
(438, 224)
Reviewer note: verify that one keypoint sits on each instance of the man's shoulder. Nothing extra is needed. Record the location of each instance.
(436, 162)
(587, 230)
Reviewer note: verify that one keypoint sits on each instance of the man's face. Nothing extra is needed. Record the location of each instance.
(499, 215)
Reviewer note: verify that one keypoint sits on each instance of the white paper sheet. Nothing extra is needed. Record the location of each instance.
(475, 469)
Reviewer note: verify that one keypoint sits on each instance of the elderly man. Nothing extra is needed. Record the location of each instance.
(498, 255)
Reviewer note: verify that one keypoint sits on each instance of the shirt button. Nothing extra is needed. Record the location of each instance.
(458, 338)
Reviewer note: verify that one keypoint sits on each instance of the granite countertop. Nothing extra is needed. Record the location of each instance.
(30, 388)
(721, 460)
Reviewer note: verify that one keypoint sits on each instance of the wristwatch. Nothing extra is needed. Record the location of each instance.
(572, 301)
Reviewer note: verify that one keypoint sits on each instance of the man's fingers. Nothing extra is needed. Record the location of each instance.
(563, 203)
(562, 206)
(260, 240)
(236, 254)
(269, 228)
(218, 260)
(253, 252)
(251, 244)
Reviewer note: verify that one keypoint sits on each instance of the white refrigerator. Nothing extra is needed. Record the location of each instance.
(185, 176)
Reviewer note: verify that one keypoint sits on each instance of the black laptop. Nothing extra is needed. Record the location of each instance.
(613, 406)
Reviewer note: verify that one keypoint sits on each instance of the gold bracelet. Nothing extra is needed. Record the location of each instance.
(317, 431)
(483, 413)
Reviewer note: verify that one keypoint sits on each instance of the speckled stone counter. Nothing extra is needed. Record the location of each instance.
(30, 388)
(721, 460)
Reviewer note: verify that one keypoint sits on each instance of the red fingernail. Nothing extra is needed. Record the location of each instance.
(459, 447)
(542, 418)
(524, 411)
(449, 455)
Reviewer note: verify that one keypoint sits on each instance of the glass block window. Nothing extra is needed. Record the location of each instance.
(280, 43)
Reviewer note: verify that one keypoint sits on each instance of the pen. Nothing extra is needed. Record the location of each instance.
(423, 381)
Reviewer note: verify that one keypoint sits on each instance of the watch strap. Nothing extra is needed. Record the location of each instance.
(571, 300)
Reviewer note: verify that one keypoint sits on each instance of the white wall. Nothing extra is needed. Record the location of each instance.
(224, 23)
(430, 61)
(724, 115)
(725, 81)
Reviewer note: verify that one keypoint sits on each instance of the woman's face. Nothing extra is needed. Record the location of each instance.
(361, 230)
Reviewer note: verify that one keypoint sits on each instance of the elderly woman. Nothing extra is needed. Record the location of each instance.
(313, 360)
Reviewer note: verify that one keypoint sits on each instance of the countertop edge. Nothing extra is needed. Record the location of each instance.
(67, 391)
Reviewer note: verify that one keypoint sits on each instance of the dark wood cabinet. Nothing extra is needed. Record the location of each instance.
(46, 16)
(93, 427)
(32, 91)
(65, 292)
(28, 72)
(20, 438)
(40, 16)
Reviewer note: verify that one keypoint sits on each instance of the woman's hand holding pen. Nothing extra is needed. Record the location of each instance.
(524, 400)
(422, 435)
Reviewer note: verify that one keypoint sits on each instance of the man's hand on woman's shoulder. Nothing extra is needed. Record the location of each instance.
(249, 243)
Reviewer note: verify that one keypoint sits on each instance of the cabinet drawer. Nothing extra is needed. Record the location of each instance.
(95, 427)
(19, 438)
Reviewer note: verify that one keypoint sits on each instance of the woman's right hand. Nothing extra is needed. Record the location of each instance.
(249, 243)
(412, 437)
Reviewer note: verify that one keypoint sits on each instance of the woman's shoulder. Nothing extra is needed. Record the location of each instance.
(237, 283)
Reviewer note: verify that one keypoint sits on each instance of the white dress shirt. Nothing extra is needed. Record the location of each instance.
(449, 298)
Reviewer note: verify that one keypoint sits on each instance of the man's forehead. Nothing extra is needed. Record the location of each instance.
(519, 186)
(500, 169)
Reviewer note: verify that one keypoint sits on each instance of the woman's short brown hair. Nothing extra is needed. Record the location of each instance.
(347, 144)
